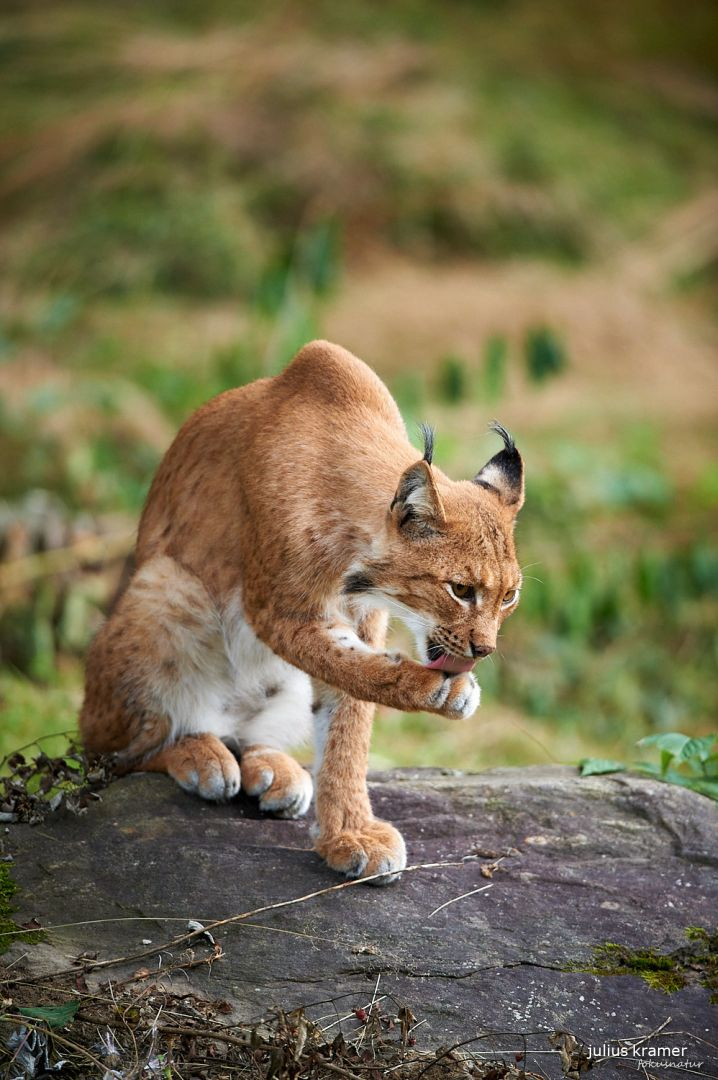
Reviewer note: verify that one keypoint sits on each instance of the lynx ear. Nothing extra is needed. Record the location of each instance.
(504, 473)
(417, 505)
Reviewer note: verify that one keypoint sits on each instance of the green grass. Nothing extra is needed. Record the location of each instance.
(187, 187)
(158, 161)
(615, 637)
(32, 710)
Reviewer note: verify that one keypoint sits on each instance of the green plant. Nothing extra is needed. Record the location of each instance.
(494, 370)
(409, 389)
(688, 762)
(452, 382)
(55, 1016)
(545, 354)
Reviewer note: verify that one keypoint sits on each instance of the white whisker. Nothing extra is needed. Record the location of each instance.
(404, 609)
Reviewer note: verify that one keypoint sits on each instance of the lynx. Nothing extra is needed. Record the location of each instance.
(288, 520)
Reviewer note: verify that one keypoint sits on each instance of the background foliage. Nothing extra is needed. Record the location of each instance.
(503, 210)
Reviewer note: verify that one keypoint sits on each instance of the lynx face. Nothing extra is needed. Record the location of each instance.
(448, 564)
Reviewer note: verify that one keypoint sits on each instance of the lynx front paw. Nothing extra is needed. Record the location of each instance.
(454, 696)
(283, 786)
(375, 848)
(463, 697)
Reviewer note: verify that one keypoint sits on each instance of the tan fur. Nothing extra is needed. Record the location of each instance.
(271, 501)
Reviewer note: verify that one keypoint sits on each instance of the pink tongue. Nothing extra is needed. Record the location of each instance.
(451, 663)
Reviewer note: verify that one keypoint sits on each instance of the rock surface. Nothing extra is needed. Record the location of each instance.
(586, 861)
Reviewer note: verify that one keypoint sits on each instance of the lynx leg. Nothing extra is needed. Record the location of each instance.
(348, 836)
(200, 764)
(157, 675)
(283, 786)
(117, 716)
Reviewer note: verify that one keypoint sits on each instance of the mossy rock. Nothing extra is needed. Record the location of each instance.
(10, 932)
(662, 971)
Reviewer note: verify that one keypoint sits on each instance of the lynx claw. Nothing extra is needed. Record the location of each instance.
(375, 848)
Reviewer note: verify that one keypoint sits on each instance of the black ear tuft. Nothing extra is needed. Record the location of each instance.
(509, 443)
(427, 434)
(504, 473)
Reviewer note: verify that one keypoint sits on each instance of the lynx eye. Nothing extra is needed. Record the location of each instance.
(462, 592)
(511, 597)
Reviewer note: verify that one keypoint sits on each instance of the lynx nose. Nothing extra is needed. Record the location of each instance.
(480, 651)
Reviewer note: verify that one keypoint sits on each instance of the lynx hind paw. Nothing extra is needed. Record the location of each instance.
(283, 786)
(375, 848)
(212, 775)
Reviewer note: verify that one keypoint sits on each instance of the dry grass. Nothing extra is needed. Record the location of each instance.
(139, 1027)
(634, 349)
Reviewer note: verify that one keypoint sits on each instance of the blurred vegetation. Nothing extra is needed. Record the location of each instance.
(617, 631)
(187, 190)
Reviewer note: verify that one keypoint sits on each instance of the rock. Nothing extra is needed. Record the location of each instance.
(583, 862)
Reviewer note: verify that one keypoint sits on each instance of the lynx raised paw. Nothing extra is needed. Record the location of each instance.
(463, 697)
(283, 786)
(375, 848)
(454, 696)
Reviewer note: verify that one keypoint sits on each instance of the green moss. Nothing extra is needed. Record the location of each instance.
(8, 927)
(660, 972)
(703, 954)
(613, 959)
(666, 972)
